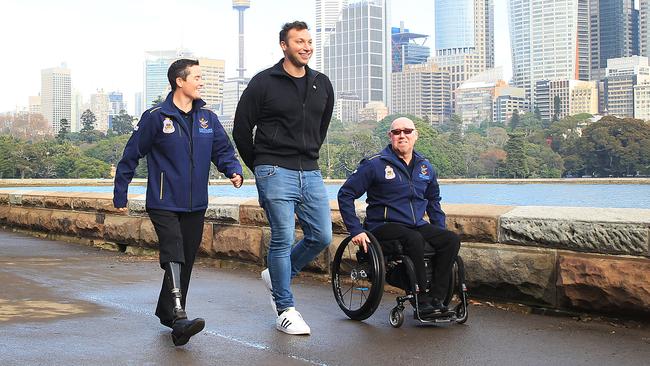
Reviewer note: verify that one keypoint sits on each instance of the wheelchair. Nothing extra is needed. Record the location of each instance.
(358, 280)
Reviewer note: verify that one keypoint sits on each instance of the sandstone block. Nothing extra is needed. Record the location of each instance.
(595, 230)
(122, 229)
(511, 273)
(250, 213)
(148, 234)
(238, 242)
(224, 209)
(88, 224)
(63, 222)
(475, 222)
(206, 239)
(617, 285)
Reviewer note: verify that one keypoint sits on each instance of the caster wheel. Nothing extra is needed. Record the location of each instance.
(396, 317)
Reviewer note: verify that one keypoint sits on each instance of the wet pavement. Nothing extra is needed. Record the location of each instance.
(70, 304)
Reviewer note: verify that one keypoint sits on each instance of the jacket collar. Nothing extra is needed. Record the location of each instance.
(278, 70)
(168, 108)
(388, 154)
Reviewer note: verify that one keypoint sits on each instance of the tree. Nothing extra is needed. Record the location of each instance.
(616, 147)
(516, 164)
(492, 159)
(159, 99)
(557, 105)
(514, 120)
(88, 120)
(63, 130)
(122, 123)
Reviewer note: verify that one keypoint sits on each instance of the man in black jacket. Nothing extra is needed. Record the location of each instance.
(291, 106)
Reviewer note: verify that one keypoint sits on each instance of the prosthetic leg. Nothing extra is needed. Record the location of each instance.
(182, 328)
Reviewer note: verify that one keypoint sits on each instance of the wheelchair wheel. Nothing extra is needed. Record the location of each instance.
(456, 298)
(396, 317)
(358, 278)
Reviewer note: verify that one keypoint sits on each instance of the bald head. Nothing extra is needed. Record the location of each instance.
(402, 122)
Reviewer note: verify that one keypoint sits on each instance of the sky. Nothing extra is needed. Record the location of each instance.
(103, 42)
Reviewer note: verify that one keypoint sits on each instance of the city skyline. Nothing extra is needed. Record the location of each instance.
(104, 46)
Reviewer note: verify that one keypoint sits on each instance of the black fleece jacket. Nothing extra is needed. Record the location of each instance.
(290, 131)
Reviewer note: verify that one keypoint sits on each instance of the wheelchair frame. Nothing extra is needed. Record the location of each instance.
(358, 281)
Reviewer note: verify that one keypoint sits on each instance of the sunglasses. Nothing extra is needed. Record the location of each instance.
(407, 131)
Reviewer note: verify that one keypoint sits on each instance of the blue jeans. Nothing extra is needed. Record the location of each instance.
(283, 193)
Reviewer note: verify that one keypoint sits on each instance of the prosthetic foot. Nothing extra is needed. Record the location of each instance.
(182, 328)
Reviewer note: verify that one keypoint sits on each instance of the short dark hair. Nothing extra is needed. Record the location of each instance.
(297, 25)
(180, 69)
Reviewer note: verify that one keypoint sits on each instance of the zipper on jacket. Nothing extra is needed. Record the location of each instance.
(191, 136)
(162, 177)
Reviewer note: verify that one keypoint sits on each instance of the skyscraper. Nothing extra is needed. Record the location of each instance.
(56, 91)
(466, 26)
(422, 90)
(156, 65)
(407, 48)
(464, 39)
(549, 41)
(213, 73)
(357, 57)
(101, 108)
(644, 28)
(614, 32)
(115, 105)
(327, 13)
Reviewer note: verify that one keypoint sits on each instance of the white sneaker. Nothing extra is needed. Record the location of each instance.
(266, 277)
(291, 322)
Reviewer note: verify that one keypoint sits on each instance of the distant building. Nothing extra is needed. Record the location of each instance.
(407, 48)
(139, 105)
(357, 54)
(507, 101)
(34, 104)
(621, 77)
(213, 74)
(156, 65)
(424, 91)
(614, 32)
(373, 111)
(115, 105)
(56, 89)
(549, 41)
(101, 108)
(327, 13)
(574, 96)
(346, 108)
(642, 101)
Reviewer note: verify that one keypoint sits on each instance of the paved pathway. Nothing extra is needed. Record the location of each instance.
(68, 304)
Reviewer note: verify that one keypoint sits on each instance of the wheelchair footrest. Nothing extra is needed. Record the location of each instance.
(446, 317)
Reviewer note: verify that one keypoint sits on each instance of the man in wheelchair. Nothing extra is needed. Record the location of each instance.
(401, 186)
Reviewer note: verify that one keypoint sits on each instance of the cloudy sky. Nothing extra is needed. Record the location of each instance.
(103, 42)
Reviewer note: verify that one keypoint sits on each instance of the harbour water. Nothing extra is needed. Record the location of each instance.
(568, 195)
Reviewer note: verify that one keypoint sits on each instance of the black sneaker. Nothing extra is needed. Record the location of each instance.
(438, 306)
(425, 308)
(184, 329)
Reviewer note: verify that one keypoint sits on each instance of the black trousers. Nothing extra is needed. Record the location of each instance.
(445, 242)
(179, 238)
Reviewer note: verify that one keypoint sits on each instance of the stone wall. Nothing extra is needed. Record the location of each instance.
(585, 259)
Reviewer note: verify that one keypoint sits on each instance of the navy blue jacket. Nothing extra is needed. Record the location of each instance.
(178, 167)
(393, 195)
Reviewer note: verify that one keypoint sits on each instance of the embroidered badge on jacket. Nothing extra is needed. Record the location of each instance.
(390, 173)
(168, 125)
(203, 122)
(424, 172)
